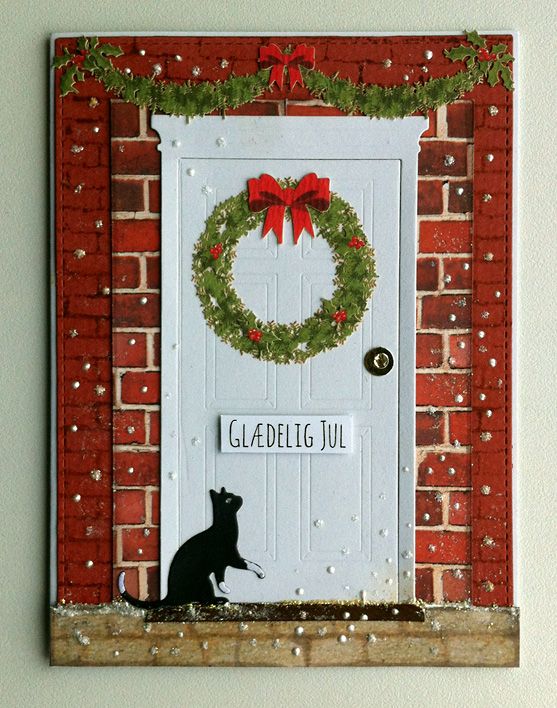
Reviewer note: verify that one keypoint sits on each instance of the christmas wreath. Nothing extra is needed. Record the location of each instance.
(266, 202)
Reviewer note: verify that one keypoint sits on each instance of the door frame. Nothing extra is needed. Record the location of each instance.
(375, 139)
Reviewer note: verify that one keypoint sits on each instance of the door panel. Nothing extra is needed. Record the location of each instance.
(322, 526)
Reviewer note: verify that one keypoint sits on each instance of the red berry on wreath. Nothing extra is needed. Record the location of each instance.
(255, 335)
(216, 251)
(339, 316)
(356, 243)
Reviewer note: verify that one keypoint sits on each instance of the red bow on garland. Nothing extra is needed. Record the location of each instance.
(266, 193)
(271, 56)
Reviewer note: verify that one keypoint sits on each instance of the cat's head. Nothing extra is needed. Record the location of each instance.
(225, 501)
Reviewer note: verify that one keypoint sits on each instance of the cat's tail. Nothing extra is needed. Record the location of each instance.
(143, 604)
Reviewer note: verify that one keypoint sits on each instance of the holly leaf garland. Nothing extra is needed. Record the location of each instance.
(493, 65)
(200, 98)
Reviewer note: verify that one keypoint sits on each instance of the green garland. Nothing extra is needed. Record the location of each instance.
(197, 99)
(328, 327)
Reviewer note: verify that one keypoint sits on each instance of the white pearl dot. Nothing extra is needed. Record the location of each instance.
(190, 171)
(351, 628)
(428, 54)
(144, 389)
(331, 569)
(141, 52)
(86, 366)
(178, 57)
(481, 334)
(143, 300)
(131, 342)
(296, 651)
(299, 631)
(75, 384)
(221, 142)
(131, 470)
(76, 497)
(452, 317)
(493, 362)
(459, 398)
(176, 143)
(89, 564)
(342, 639)
(482, 396)
(299, 591)
(451, 471)
(74, 428)
(172, 475)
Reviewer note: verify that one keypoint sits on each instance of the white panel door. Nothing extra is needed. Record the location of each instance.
(321, 526)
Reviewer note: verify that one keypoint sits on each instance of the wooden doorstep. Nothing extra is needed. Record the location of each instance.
(117, 635)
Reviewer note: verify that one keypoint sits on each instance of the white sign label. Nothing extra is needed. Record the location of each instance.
(313, 434)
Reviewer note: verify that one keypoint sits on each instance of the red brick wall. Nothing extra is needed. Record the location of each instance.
(443, 347)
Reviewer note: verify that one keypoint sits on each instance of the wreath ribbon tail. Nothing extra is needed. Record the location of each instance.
(301, 220)
(274, 220)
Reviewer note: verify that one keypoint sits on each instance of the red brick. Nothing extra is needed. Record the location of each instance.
(447, 469)
(429, 509)
(154, 196)
(460, 120)
(153, 272)
(459, 509)
(430, 197)
(460, 277)
(129, 506)
(257, 108)
(87, 549)
(445, 236)
(139, 235)
(124, 119)
(433, 154)
(125, 272)
(129, 427)
(459, 428)
(153, 582)
(86, 346)
(129, 355)
(129, 311)
(134, 539)
(155, 427)
(429, 350)
(460, 357)
(424, 584)
(461, 203)
(442, 389)
(456, 585)
(429, 428)
(427, 274)
(300, 109)
(98, 306)
(155, 506)
(132, 581)
(138, 157)
(431, 132)
(437, 309)
(127, 195)
(442, 547)
(133, 383)
(156, 349)
(145, 468)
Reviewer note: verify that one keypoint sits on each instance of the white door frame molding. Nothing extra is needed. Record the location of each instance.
(362, 138)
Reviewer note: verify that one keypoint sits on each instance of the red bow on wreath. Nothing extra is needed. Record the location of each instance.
(266, 193)
(271, 56)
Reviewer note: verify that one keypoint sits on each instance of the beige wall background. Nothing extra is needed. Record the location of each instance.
(25, 677)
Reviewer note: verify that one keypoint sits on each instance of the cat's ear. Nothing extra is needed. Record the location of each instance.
(212, 493)
(222, 490)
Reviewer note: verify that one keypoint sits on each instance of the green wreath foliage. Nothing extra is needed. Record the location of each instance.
(192, 99)
(294, 342)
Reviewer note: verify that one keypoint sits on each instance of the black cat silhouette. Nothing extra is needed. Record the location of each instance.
(209, 551)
